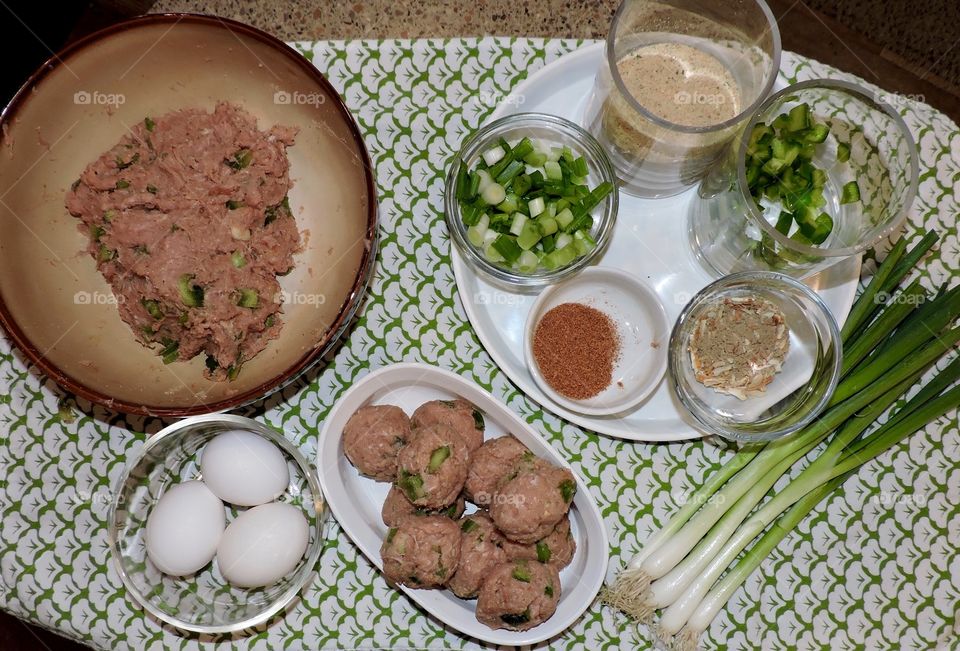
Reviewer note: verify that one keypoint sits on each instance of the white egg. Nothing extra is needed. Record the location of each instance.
(244, 468)
(263, 545)
(184, 528)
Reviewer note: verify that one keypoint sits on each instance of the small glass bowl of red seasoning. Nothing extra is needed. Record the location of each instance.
(754, 356)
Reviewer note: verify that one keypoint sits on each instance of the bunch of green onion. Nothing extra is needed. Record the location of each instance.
(690, 569)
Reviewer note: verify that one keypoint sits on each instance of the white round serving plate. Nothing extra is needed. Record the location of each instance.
(356, 501)
(649, 241)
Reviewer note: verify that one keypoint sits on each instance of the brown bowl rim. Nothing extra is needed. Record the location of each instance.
(348, 308)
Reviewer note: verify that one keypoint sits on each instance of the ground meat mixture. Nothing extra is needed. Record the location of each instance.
(189, 222)
(507, 556)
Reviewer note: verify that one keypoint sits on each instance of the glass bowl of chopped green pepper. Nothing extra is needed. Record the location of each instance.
(823, 171)
(530, 199)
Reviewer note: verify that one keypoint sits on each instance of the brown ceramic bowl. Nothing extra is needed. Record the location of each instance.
(56, 306)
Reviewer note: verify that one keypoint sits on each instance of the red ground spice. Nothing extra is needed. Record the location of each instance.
(575, 347)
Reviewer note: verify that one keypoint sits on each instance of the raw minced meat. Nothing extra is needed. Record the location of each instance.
(189, 222)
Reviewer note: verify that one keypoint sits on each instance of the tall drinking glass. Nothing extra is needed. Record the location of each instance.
(680, 76)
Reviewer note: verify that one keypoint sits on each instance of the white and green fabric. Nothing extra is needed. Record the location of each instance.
(875, 567)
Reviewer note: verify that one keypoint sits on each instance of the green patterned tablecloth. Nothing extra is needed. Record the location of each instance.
(874, 567)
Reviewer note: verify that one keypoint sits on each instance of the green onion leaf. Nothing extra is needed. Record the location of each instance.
(437, 457)
(233, 371)
(105, 254)
(817, 133)
(411, 485)
(521, 572)
(248, 298)
(121, 165)
(516, 619)
(152, 307)
(478, 420)
(241, 159)
(507, 247)
(170, 351)
(543, 552)
(784, 222)
(191, 295)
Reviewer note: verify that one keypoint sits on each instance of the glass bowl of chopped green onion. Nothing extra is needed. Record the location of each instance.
(755, 356)
(530, 199)
(822, 171)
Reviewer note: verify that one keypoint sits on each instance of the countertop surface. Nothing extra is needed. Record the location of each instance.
(916, 58)
(333, 19)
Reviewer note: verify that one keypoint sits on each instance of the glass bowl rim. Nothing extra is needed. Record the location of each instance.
(307, 565)
(703, 418)
(861, 94)
(586, 142)
(772, 74)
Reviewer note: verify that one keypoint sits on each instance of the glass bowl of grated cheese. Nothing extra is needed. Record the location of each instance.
(754, 356)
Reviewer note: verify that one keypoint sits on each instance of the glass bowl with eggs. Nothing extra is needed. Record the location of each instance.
(216, 523)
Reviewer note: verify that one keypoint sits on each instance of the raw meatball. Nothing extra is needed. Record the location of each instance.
(372, 438)
(529, 506)
(465, 419)
(557, 548)
(422, 552)
(433, 467)
(397, 506)
(480, 552)
(491, 465)
(519, 595)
